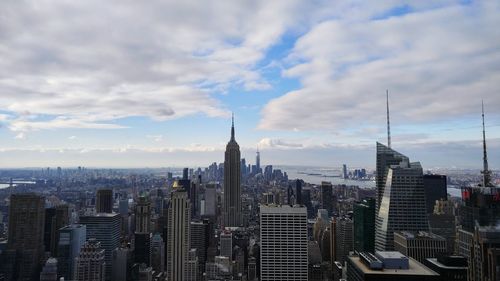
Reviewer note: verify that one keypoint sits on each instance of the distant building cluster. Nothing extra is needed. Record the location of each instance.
(238, 221)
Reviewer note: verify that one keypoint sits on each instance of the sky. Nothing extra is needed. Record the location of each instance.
(153, 84)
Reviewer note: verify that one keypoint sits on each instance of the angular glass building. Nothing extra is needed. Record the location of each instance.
(402, 205)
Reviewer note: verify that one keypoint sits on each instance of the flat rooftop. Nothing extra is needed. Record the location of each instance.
(416, 268)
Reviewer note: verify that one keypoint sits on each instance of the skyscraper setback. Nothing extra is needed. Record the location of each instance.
(232, 184)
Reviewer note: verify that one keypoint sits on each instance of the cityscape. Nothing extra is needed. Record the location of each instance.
(249, 141)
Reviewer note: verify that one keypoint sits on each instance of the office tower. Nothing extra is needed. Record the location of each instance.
(25, 237)
(226, 244)
(298, 192)
(210, 199)
(450, 268)
(344, 171)
(192, 266)
(123, 207)
(144, 273)
(252, 269)
(341, 239)
(178, 234)
(364, 225)
(121, 263)
(232, 188)
(283, 235)
(327, 197)
(403, 202)
(435, 189)
(385, 158)
(104, 201)
(185, 172)
(442, 222)
(105, 228)
(142, 235)
(157, 253)
(90, 263)
(71, 240)
(49, 271)
(55, 218)
(419, 245)
(257, 162)
(200, 232)
(387, 266)
(142, 215)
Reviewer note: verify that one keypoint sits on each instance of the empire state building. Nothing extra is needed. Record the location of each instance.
(232, 188)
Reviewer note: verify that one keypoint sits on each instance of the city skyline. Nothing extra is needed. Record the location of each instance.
(120, 95)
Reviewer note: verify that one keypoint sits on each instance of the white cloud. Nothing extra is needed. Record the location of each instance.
(72, 138)
(436, 63)
(93, 62)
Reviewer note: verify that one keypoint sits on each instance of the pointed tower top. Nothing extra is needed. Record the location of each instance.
(232, 126)
(388, 121)
(486, 172)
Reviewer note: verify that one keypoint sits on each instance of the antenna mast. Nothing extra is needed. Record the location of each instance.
(388, 121)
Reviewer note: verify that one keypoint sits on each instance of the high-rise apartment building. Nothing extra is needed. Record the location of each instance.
(104, 228)
(90, 263)
(71, 240)
(104, 201)
(283, 235)
(403, 202)
(232, 186)
(179, 215)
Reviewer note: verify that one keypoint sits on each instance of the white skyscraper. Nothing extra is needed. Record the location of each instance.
(283, 234)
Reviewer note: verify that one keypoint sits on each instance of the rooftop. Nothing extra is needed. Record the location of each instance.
(415, 268)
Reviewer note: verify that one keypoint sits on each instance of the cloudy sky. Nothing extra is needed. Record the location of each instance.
(134, 83)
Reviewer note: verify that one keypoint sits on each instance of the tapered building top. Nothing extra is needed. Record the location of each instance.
(486, 172)
(232, 127)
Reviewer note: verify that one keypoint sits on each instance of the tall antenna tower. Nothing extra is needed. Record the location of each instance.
(486, 172)
(388, 121)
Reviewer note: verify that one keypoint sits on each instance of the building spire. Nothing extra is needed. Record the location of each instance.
(388, 121)
(232, 126)
(486, 172)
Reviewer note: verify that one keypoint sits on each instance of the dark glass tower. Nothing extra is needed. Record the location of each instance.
(385, 158)
(364, 226)
(435, 189)
(232, 188)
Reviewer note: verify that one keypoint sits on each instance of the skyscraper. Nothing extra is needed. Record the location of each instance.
(283, 234)
(226, 244)
(104, 228)
(232, 188)
(90, 263)
(157, 253)
(385, 158)
(327, 197)
(298, 192)
(435, 189)
(104, 201)
(257, 162)
(55, 218)
(341, 239)
(71, 240)
(364, 225)
(402, 205)
(142, 235)
(179, 214)
(26, 229)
